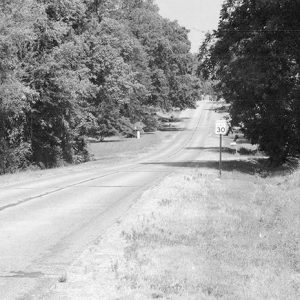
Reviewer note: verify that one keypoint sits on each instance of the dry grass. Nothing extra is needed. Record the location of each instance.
(237, 238)
(119, 147)
(195, 237)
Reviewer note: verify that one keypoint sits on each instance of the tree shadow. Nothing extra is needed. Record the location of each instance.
(251, 167)
(182, 118)
(172, 129)
(241, 151)
(213, 149)
(222, 109)
(257, 165)
(106, 141)
(242, 140)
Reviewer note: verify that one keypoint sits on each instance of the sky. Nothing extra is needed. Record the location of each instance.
(199, 16)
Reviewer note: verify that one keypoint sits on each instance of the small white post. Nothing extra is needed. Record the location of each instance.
(235, 146)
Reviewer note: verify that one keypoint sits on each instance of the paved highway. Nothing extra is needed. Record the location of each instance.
(44, 225)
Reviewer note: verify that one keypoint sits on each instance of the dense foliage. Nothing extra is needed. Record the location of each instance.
(70, 69)
(254, 55)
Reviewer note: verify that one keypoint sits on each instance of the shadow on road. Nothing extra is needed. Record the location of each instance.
(213, 149)
(241, 151)
(171, 129)
(251, 167)
(183, 118)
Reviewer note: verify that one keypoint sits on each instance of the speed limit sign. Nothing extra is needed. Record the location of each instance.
(221, 127)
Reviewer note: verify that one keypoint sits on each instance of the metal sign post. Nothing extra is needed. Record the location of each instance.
(220, 161)
(221, 129)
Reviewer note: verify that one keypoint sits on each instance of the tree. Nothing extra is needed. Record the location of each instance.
(72, 69)
(16, 39)
(254, 56)
(167, 46)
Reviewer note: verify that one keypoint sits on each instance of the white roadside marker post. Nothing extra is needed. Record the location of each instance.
(221, 129)
(235, 147)
(137, 133)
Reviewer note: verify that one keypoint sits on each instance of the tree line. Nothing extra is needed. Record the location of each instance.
(72, 69)
(254, 60)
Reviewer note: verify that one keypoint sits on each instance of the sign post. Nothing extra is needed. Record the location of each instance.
(221, 129)
(220, 160)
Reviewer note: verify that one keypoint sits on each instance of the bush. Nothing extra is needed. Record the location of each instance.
(12, 159)
(150, 122)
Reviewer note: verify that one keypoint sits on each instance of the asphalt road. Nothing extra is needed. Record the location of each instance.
(45, 224)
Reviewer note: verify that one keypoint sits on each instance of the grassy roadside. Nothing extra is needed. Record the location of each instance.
(113, 151)
(196, 237)
(117, 148)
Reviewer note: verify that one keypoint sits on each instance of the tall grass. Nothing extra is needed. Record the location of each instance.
(237, 238)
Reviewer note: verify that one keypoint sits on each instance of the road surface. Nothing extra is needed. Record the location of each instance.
(44, 225)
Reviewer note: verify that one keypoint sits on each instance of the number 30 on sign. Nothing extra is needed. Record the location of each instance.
(221, 127)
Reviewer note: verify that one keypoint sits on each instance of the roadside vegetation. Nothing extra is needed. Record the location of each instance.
(75, 69)
(118, 148)
(196, 237)
(253, 58)
(232, 239)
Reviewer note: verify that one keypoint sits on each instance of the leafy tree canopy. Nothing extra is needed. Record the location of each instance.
(72, 69)
(254, 56)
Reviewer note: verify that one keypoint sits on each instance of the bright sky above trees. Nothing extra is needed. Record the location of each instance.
(198, 16)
